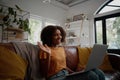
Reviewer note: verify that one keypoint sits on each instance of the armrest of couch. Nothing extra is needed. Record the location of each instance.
(114, 60)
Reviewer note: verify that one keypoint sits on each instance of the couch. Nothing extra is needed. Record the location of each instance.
(110, 65)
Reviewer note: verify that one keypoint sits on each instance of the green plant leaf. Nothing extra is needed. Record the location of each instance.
(6, 18)
(11, 11)
(18, 8)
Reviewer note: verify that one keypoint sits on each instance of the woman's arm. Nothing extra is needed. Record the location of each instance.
(77, 69)
(44, 65)
(44, 55)
(69, 70)
(80, 69)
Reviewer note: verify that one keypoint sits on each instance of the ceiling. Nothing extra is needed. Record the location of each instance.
(71, 3)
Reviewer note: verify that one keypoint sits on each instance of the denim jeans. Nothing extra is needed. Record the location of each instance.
(60, 75)
(94, 74)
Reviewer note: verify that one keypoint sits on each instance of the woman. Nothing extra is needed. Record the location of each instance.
(52, 37)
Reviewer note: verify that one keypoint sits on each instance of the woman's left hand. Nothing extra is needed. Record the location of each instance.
(44, 48)
(69, 70)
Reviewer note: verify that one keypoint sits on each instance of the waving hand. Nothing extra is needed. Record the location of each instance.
(44, 48)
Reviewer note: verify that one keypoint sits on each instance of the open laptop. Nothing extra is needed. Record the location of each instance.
(95, 59)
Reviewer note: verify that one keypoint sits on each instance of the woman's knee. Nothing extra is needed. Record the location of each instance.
(92, 76)
(100, 74)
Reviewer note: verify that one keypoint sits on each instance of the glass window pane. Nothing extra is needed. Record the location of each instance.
(36, 27)
(108, 8)
(115, 2)
(113, 5)
(99, 32)
(113, 32)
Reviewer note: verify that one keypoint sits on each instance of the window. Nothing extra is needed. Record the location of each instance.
(113, 32)
(109, 6)
(36, 25)
(99, 31)
(107, 27)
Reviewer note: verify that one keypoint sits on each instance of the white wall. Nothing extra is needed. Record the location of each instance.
(37, 7)
(88, 8)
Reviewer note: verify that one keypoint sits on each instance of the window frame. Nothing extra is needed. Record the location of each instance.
(103, 19)
(105, 4)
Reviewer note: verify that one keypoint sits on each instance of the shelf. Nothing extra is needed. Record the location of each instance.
(10, 24)
(75, 22)
(13, 34)
(69, 29)
(14, 29)
(73, 32)
(72, 37)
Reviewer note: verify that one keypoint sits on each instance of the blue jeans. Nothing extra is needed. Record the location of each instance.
(94, 74)
(60, 75)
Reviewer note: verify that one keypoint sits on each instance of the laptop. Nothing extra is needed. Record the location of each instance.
(95, 59)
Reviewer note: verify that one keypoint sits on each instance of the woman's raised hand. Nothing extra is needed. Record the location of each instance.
(44, 48)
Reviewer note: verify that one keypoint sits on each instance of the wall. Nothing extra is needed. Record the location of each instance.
(37, 7)
(88, 8)
(59, 13)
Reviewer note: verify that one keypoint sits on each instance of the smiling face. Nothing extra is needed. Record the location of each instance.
(56, 39)
(53, 35)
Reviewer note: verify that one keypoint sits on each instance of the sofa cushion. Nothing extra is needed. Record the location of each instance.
(106, 66)
(12, 66)
(84, 55)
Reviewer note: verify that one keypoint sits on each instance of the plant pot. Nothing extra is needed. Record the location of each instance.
(22, 35)
(19, 35)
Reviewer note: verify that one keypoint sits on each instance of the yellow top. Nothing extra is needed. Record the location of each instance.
(57, 60)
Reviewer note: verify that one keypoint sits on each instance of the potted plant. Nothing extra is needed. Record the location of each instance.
(13, 18)
(24, 24)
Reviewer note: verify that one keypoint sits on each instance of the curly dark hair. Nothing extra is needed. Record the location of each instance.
(47, 34)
